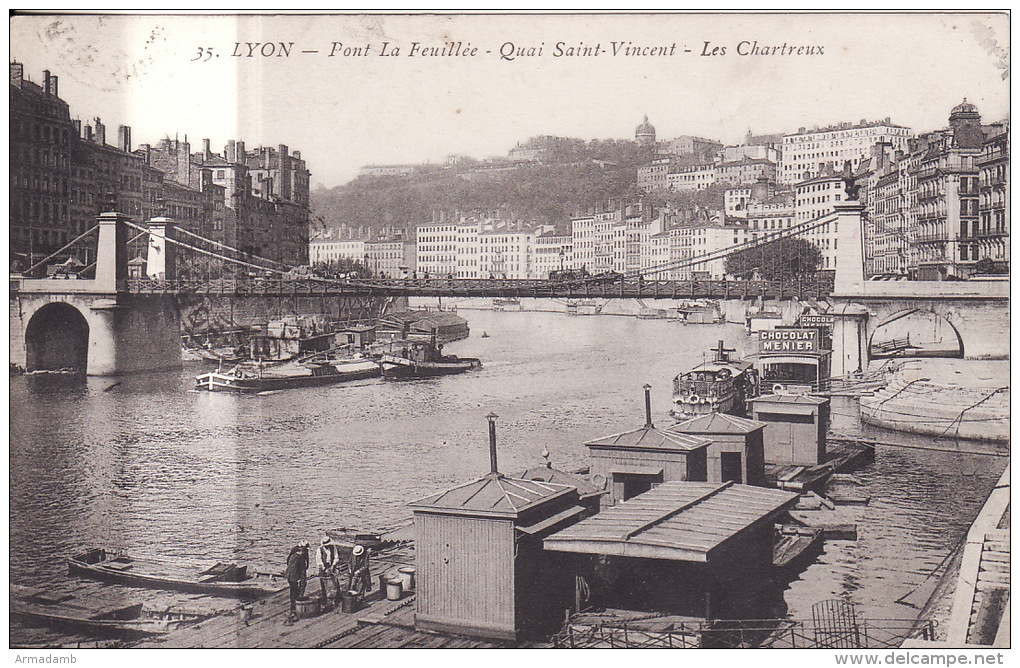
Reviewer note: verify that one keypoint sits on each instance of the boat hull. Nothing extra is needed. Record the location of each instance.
(154, 574)
(397, 368)
(226, 382)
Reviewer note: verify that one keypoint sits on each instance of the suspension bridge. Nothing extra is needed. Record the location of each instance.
(118, 315)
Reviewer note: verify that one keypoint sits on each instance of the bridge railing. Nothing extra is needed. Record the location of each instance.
(817, 286)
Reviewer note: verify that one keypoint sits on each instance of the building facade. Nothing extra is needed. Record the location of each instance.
(993, 206)
(805, 152)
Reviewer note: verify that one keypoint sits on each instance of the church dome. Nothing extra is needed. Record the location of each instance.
(964, 108)
(645, 128)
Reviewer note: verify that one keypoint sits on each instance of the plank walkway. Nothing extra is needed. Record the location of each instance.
(263, 624)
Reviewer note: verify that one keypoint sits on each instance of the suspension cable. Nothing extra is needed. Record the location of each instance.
(765, 240)
(58, 252)
(224, 246)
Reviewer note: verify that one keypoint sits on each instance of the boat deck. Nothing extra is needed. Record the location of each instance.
(843, 455)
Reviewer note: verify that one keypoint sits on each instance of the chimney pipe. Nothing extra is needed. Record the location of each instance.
(648, 407)
(491, 417)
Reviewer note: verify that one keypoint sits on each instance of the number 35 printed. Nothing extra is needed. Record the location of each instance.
(204, 53)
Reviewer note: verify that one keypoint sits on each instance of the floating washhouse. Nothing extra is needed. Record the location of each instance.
(696, 549)
(795, 430)
(736, 450)
(480, 564)
(633, 462)
(442, 325)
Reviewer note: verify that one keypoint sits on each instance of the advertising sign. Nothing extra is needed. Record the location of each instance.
(815, 321)
(788, 340)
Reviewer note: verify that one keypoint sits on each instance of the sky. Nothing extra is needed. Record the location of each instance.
(168, 76)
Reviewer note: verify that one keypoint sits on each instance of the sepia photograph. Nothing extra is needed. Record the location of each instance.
(475, 330)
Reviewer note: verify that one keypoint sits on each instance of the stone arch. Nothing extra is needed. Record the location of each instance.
(905, 334)
(57, 337)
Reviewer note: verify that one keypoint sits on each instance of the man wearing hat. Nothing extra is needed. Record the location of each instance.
(297, 573)
(361, 578)
(328, 561)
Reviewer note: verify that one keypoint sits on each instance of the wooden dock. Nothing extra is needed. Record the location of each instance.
(264, 623)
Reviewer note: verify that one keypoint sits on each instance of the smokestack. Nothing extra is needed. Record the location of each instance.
(206, 150)
(648, 408)
(491, 417)
(46, 82)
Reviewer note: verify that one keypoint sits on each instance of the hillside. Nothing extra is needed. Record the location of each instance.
(571, 176)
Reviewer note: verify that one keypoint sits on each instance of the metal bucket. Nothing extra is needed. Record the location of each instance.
(393, 589)
(307, 607)
(406, 577)
(350, 602)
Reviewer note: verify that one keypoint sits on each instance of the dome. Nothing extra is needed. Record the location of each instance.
(964, 108)
(645, 128)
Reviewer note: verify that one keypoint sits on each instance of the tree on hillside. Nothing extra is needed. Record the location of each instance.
(781, 259)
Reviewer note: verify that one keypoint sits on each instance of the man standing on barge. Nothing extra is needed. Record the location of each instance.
(297, 574)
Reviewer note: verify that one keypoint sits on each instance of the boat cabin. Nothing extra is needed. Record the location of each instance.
(633, 462)
(698, 549)
(481, 567)
(721, 385)
(358, 337)
(796, 428)
(792, 359)
(736, 452)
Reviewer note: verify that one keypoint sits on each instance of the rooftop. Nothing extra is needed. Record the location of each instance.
(493, 495)
(790, 399)
(678, 520)
(717, 423)
(650, 438)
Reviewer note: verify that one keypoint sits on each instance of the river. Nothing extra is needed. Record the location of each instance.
(151, 464)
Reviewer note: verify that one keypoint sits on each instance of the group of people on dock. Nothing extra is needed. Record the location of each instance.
(329, 564)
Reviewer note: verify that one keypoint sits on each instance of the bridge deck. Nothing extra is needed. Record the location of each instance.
(815, 286)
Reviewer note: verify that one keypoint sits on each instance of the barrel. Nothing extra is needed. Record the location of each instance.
(406, 575)
(393, 589)
(307, 607)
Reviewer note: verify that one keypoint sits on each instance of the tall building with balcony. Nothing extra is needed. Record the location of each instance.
(436, 248)
(948, 196)
(815, 198)
(41, 143)
(805, 152)
(993, 200)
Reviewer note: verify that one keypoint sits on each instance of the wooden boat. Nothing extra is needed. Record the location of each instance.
(220, 579)
(63, 610)
(793, 546)
(256, 378)
(722, 385)
(424, 359)
(506, 304)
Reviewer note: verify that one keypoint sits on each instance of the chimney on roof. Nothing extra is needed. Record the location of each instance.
(76, 123)
(88, 132)
(206, 150)
(648, 407)
(491, 417)
(100, 132)
(124, 138)
(17, 74)
(241, 155)
(46, 82)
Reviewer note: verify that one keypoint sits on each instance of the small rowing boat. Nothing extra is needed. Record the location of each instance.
(221, 579)
(65, 611)
(793, 546)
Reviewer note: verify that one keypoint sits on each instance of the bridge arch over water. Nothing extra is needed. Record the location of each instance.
(916, 332)
(57, 337)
